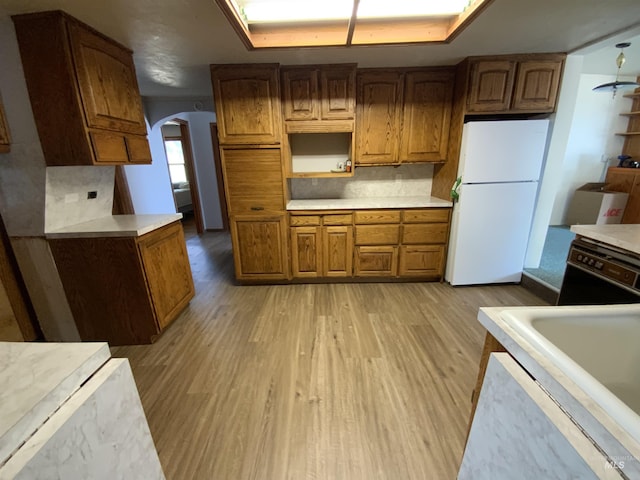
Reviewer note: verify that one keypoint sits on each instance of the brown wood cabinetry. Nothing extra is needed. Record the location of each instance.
(247, 101)
(125, 290)
(403, 116)
(260, 247)
(324, 249)
(626, 180)
(631, 145)
(253, 180)
(379, 110)
(514, 84)
(83, 92)
(324, 92)
(378, 261)
(426, 116)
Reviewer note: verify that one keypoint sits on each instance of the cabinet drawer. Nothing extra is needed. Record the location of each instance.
(377, 216)
(376, 261)
(433, 215)
(138, 149)
(302, 220)
(338, 219)
(377, 234)
(421, 260)
(109, 147)
(256, 205)
(425, 233)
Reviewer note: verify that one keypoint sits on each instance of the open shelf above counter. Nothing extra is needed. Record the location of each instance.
(321, 154)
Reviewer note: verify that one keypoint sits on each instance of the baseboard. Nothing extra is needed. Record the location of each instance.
(540, 288)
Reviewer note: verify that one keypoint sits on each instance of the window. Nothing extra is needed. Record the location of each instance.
(307, 23)
(175, 159)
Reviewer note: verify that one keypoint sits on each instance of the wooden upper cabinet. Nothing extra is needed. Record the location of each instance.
(491, 86)
(247, 101)
(515, 84)
(300, 94)
(325, 92)
(83, 91)
(537, 84)
(379, 109)
(427, 104)
(107, 83)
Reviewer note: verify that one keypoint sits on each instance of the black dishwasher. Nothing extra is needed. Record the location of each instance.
(599, 274)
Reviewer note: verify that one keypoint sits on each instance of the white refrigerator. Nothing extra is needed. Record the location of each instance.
(500, 163)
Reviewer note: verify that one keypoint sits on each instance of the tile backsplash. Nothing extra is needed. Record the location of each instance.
(367, 182)
(67, 192)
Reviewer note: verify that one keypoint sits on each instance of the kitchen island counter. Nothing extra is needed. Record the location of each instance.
(625, 236)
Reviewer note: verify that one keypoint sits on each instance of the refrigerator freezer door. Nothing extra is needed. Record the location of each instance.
(490, 231)
(503, 151)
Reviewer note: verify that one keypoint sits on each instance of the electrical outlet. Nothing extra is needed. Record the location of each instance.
(92, 194)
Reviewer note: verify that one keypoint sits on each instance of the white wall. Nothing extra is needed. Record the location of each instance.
(201, 143)
(592, 139)
(150, 185)
(552, 173)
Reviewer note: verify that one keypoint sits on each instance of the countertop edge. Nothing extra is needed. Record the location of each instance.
(608, 434)
(379, 203)
(116, 226)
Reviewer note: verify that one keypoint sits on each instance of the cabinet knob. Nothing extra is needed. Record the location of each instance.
(257, 208)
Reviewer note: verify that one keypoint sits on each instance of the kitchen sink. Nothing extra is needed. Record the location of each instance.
(598, 348)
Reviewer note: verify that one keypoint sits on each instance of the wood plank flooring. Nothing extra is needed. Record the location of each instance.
(336, 381)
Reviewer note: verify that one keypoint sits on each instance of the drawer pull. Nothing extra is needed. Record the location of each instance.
(257, 208)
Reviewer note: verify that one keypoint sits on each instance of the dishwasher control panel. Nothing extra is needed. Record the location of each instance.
(604, 266)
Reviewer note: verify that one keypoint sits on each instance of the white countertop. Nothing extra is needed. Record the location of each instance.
(116, 226)
(601, 427)
(364, 203)
(625, 236)
(35, 379)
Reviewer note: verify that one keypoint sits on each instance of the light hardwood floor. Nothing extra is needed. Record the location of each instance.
(336, 381)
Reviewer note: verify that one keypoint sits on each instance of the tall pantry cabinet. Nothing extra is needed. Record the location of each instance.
(247, 99)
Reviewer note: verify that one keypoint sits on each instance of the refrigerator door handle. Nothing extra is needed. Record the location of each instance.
(455, 190)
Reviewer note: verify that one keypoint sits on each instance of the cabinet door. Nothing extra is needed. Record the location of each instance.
(337, 251)
(247, 103)
(166, 266)
(491, 85)
(107, 82)
(379, 108)
(300, 94)
(421, 260)
(376, 261)
(253, 180)
(306, 252)
(338, 92)
(537, 85)
(259, 247)
(427, 113)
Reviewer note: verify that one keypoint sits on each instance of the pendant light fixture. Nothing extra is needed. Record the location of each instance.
(614, 86)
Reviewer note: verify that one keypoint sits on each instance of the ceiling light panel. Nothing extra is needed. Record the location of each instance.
(287, 11)
(410, 8)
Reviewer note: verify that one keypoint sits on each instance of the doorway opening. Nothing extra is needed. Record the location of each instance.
(184, 183)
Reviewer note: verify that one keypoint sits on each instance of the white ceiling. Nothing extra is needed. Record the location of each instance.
(175, 41)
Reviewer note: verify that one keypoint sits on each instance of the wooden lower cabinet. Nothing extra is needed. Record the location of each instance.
(322, 251)
(378, 261)
(421, 260)
(306, 252)
(260, 247)
(125, 290)
(337, 251)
